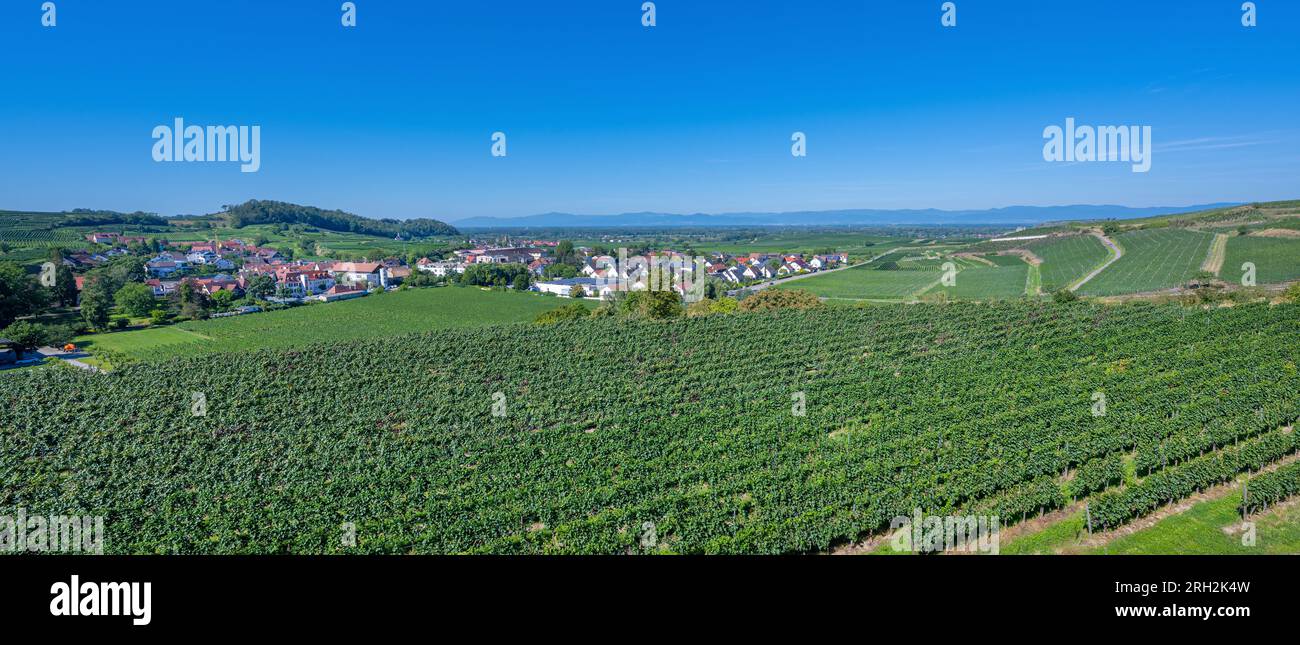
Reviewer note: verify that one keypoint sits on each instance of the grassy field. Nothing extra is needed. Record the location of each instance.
(1068, 259)
(1276, 259)
(1153, 260)
(388, 314)
(1209, 527)
(865, 283)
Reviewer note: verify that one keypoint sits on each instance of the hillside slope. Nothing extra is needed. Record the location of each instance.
(577, 437)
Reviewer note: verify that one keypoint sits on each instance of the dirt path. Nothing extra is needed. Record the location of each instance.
(1218, 251)
(1117, 253)
(68, 357)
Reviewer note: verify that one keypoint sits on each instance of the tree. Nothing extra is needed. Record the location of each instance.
(577, 292)
(714, 288)
(709, 307)
(124, 269)
(492, 275)
(1065, 295)
(521, 282)
(135, 299)
(559, 270)
(769, 299)
(564, 251)
(20, 293)
(260, 287)
(223, 299)
(26, 335)
(65, 286)
(193, 303)
(96, 302)
(650, 304)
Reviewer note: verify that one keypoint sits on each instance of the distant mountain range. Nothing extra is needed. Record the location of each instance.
(1010, 215)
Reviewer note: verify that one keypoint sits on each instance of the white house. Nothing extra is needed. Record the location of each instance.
(564, 287)
(440, 268)
(353, 273)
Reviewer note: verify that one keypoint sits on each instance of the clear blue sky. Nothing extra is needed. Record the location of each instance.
(394, 118)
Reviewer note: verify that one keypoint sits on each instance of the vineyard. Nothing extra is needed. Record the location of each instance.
(869, 283)
(1068, 259)
(1153, 260)
(1275, 259)
(986, 283)
(585, 437)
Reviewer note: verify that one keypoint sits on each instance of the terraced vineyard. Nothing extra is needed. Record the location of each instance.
(1068, 259)
(609, 427)
(988, 283)
(1275, 259)
(1153, 260)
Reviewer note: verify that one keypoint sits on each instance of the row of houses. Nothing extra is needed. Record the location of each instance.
(600, 273)
(536, 259)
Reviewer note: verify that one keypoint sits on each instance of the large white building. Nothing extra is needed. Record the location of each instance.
(564, 287)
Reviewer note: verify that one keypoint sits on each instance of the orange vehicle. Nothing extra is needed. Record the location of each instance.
(69, 348)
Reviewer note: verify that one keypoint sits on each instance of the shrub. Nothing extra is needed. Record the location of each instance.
(572, 311)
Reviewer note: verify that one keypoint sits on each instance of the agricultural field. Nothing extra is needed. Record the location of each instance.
(388, 314)
(1276, 259)
(867, 283)
(575, 438)
(988, 283)
(1153, 260)
(1068, 259)
(1210, 526)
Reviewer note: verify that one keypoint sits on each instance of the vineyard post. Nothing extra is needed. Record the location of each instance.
(1087, 511)
(1245, 497)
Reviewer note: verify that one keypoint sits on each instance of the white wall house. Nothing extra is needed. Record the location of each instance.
(564, 287)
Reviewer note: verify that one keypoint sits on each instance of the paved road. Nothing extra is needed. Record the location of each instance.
(68, 357)
(769, 283)
(1110, 244)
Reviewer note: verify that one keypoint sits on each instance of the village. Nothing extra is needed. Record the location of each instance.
(227, 271)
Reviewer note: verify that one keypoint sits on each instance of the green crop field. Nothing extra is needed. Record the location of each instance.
(388, 314)
(574, 438)
(988, 283)
(1153, 260)
(866, 283)
(1068, 259)
(1275, 259)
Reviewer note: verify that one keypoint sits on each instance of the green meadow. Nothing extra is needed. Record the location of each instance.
(387, 314)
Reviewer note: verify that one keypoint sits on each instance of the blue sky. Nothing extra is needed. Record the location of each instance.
(393, 118)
